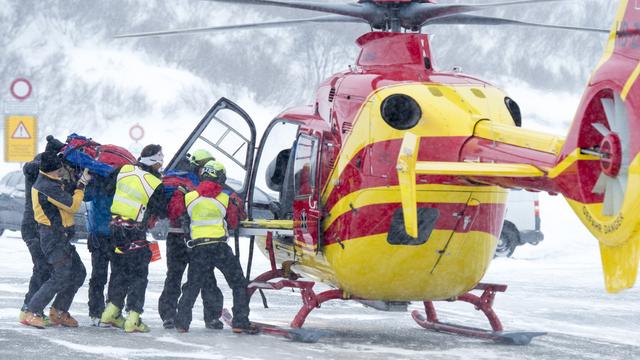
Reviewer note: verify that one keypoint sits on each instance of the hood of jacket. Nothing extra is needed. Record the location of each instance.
(209, 189)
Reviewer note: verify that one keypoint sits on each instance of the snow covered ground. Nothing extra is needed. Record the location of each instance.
(554, 287)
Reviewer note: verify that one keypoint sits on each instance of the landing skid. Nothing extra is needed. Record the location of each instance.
(298, 335)
(482, 303)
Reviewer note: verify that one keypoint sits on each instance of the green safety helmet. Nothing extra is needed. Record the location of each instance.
(201, 157)
(215, 170)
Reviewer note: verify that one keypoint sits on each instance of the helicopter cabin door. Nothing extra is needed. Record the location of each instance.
(306, 205)
(228, 134)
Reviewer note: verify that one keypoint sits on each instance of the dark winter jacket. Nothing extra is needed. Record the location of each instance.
(52, 205)
(29, 226)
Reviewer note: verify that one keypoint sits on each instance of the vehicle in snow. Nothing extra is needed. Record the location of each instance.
(521, 222)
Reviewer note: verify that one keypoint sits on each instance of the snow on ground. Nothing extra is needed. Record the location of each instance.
(555, 287)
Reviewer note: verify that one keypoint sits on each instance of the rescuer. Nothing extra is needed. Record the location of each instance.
(176, 184)
(209, 208)
(139, 195)
(54, 209)
(41, 269)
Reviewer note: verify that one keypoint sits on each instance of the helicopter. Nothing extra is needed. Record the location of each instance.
(391, 186)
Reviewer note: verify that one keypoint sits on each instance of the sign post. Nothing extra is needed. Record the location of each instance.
(20, 124)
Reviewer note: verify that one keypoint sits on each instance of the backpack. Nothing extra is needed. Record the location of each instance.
(114, 156)
(83, 152)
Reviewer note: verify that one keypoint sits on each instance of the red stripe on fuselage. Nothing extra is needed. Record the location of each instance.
(376, 219)
(375, 165)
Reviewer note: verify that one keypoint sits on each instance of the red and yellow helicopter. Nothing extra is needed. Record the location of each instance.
(392, 185)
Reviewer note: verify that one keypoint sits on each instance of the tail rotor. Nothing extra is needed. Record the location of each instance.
(614, 152)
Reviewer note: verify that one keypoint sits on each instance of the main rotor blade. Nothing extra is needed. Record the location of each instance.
(487, 20)
(418, 14)
(271, 24)
(362, 11)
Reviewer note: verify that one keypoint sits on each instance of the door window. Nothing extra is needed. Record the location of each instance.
(304, 170)
(273, 192)
(227, 133)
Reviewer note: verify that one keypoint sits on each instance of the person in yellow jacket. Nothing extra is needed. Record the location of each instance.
(209, 209)
(139, 196)
(53, 208)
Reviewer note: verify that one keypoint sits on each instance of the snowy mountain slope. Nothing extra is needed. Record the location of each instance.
(84, 79)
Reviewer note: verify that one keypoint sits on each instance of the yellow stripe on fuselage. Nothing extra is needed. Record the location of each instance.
(447, 110)
(426, 193)
(611, 44)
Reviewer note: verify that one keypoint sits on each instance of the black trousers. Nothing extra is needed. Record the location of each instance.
(129, 271)
(41, 271)
(177, 261)
(203, 260)
(67, 276)
(101, 250)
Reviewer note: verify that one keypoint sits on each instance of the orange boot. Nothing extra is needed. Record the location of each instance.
(32, 319)
(62, 318)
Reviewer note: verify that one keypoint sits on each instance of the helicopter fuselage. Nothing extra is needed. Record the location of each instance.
(361, 246)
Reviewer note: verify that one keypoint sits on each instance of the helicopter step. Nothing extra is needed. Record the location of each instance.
(297, 335)
(482, 303)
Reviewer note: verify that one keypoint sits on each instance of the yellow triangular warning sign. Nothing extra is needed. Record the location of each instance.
(21, 132)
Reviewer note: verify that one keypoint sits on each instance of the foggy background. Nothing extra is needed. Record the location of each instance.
(86, 81)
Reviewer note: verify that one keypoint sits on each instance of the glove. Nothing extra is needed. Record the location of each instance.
(84, 179)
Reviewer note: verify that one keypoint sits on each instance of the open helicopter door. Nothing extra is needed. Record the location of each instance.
(228, 133)
(306, 205)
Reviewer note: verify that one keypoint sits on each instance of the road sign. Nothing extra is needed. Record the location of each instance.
(20, 88)
(136, 132)
(20, 138)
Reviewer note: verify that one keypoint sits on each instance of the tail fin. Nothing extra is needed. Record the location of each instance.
(604, 190)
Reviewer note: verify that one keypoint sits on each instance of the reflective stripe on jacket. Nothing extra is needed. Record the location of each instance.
(134, 188)
(207, 215)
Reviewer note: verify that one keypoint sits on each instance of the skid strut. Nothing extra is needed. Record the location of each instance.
(482, 303)
(310, 300)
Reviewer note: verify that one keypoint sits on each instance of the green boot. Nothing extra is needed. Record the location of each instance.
(112, 316)
(134, 323)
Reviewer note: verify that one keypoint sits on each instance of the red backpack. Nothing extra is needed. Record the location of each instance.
(114, 156)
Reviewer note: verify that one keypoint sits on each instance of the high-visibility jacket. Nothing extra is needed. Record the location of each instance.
(134, 188)
(207, 215)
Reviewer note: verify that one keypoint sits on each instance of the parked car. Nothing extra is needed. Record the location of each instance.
(12, 199)
(522, 222)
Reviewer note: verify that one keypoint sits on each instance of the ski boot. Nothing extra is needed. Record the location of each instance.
(214, 324)
(63, 318)
(112, 316)
(134, 323)
(35, 320)
(169, 324)
(249, 329)
(24, 312)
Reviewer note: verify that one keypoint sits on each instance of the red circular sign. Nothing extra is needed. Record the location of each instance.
(136, 132)
(20, 88)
